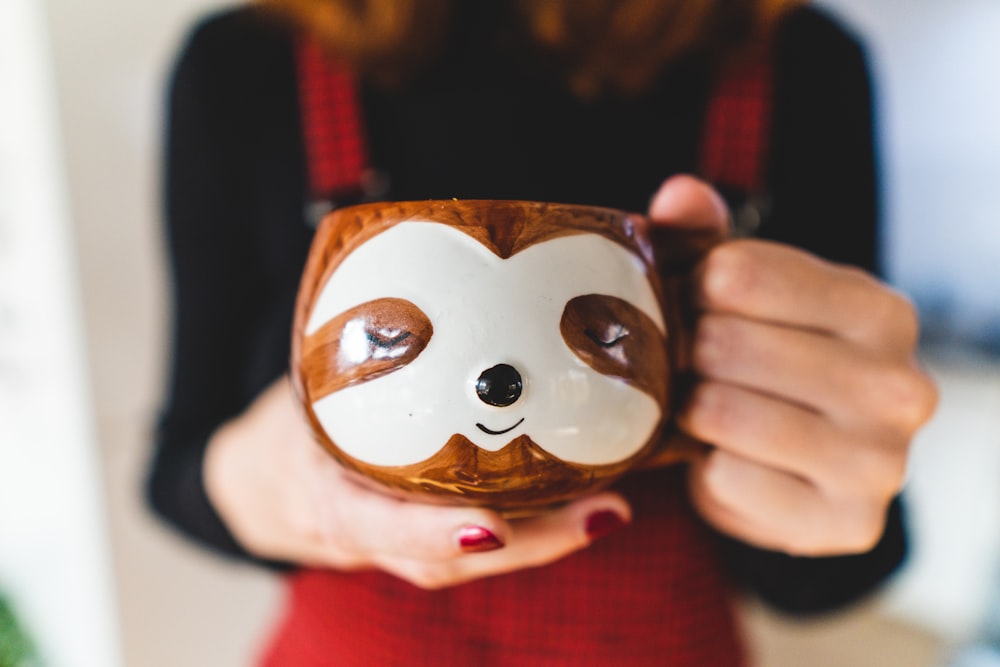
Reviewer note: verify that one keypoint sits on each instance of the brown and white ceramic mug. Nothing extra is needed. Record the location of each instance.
(507, 354)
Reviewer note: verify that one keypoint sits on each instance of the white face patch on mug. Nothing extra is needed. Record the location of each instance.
(498, 365)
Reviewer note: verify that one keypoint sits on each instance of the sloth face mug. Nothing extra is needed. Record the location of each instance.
(506, 354)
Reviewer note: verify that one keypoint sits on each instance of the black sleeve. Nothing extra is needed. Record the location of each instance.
(823, 186)
(802, 585)
(215, 285)
(822, 171)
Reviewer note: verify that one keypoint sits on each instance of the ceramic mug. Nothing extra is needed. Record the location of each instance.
(506, 354)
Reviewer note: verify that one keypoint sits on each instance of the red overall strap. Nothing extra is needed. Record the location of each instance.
(336, 152)
(737, 127)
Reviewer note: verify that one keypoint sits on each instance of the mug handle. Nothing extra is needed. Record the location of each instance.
(676, 251)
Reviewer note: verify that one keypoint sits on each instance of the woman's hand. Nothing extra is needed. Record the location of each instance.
(807, 386)
(284, 498)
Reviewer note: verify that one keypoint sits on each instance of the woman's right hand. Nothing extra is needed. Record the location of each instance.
(284, 498)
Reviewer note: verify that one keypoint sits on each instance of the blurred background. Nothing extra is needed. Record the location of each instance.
(93, 580)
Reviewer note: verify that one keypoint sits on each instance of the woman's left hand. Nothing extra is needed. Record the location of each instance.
(808, 388)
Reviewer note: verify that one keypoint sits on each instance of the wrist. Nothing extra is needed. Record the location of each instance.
(217, 466)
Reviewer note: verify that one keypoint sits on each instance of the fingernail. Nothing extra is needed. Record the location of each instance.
(473, 539)
(603, 523)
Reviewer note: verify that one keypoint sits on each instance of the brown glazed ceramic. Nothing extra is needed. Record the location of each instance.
(498, 353)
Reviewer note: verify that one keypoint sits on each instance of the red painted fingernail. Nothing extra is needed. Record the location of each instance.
(473, 539)
(603, 523)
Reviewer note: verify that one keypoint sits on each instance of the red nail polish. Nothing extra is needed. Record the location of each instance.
(603, 523)
(473, 539)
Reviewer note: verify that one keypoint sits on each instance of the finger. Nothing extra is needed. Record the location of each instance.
(685, 201)
(550, 536)
(376, 525)
(844, 382)
(687, 218)
(533, 542)
(784, 436)
(776, 283)
(569, 520)
(774, 510)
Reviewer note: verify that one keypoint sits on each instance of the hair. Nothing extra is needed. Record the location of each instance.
(596, 46)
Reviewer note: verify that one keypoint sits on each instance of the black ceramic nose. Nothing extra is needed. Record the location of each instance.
(500, 385)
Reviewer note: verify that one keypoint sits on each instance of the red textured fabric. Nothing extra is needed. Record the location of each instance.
(331, 123)
(651, 594)
(737, 126)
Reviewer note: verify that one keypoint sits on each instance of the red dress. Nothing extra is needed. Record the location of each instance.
(650, 594)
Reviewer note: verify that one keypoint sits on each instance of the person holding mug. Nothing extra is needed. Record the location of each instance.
(803, 374)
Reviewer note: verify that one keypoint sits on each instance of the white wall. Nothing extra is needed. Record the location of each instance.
(55, 560)
(938, 66)
(178, 606)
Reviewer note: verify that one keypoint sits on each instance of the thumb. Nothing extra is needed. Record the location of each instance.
(685, 201)
(687, 217)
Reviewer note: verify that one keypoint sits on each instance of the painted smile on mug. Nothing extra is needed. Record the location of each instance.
(506, 430)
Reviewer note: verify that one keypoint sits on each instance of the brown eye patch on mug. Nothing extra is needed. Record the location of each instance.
(363, 343)
(617, 339)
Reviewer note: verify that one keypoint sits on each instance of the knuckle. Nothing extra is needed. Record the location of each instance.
(851, 541)
(861, 535)
(882, 471)
(909, 395)
(716, 343)
(857, 525)
(805, 547)
(892, 318)
(809, 543)
(848, 533)
(730, 274)
(905, 317)
(896, 318)
(716, 480)
(927, 397)
(711, 412)
(862, 279)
